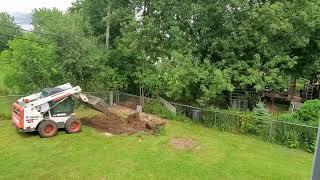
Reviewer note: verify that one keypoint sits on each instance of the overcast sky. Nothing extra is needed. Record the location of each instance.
(21, 8)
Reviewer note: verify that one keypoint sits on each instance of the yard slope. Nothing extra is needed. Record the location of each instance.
(91, 155)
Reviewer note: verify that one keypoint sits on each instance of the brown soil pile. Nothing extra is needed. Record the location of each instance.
(115, 124)
(183, 143)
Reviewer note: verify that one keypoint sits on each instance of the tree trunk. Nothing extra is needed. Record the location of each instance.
(273, 108)
(141, 95)
(293, 89)
(108, 28)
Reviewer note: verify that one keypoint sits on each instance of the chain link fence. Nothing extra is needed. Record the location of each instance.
(269, 129)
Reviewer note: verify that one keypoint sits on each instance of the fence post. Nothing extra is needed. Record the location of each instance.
(111, 98)
(270, 132)
(240, 122)
(316, 159)
(215, 119)
(117, 97)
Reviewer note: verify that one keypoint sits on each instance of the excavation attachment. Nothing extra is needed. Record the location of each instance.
(92, 101)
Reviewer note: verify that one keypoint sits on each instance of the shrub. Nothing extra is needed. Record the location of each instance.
(261, 111)
(309, 112)
(286, 134)
(255, 125)
(294, 136)
(261, 120)
(157, 108)
(231, 120)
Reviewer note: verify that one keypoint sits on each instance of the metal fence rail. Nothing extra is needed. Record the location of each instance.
(272, 130)
(290, 134)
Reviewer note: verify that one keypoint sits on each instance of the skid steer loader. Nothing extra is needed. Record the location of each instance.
(51, 109)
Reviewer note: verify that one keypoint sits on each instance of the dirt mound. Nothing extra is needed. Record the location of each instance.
(115, 124)
(183, 143)
(125, 112)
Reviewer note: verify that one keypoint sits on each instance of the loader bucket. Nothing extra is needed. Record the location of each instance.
(96, 103)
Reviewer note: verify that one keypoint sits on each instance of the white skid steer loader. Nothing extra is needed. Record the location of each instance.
(51, 109)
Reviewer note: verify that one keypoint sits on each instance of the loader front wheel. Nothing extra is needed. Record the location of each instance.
(47, 128)
(73, 125)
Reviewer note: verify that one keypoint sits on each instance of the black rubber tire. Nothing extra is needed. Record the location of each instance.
(47, 128)
(73, 125)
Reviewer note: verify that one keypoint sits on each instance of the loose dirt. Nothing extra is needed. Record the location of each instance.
(183, 143)
(122, 120)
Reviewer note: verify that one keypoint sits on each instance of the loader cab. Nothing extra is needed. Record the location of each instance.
(59, 108)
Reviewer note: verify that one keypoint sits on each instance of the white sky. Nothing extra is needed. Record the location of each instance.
(26, 6)
(21, 9)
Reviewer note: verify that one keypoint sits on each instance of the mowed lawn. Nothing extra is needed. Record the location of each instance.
(6, 105)
(91, 155)
(5, 102)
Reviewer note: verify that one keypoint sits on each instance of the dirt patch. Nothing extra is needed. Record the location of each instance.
(124, 112)
(183, 143)
(123, 122)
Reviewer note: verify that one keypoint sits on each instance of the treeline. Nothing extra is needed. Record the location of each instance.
(183, 50)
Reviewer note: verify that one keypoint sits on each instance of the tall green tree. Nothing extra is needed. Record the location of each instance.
(182, 49)
(103, 17)
(56, 52)
(32, 64)
(8, 29)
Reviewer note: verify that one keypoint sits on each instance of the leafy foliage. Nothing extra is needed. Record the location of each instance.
(195, 50)
(296, 136)
(283, 131)
(309, 113)
(155, 107)
(261, 110)
(186, 51)
(57, 53)
(33, 64)
(8, 30)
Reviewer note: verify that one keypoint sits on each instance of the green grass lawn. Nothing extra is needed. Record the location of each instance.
(91, 155)
(4, 102)
(2, 74)
(5, 105)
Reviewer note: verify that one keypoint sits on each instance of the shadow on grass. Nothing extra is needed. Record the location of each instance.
(35, 133)
(27, 134)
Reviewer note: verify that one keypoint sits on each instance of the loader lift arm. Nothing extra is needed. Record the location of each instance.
(89, 100)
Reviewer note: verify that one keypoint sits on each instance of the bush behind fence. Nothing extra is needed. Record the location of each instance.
(272, 130)
(275, 131)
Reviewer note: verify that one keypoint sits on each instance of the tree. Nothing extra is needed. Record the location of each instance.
(103, 17)
(8, 30)
(33, 64)
(64, 54)
(185, 50)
